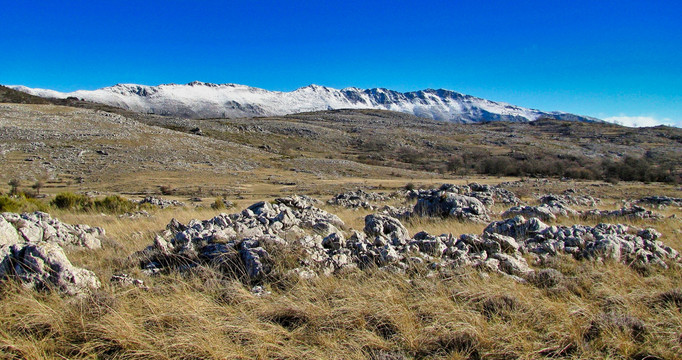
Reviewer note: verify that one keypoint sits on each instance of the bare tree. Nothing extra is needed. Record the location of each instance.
(39, 184)
(14, 186)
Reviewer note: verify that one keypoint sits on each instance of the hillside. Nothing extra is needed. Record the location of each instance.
(48, 141)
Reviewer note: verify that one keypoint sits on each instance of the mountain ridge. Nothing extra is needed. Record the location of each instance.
(208, 100)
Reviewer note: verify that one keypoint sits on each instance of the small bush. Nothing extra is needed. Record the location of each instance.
(113, 204)
(21, 204)
(110, 204)
(9, 204)
(218, 204)
(409, 186)
(71, 201)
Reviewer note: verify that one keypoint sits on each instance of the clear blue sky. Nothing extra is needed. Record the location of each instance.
(599, 58)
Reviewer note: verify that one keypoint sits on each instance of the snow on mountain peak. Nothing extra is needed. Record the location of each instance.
(199, 99)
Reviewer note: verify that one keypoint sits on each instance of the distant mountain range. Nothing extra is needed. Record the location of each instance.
(206, 100)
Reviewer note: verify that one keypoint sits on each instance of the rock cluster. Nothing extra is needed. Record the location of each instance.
(633, 212)
(550, 208)
(245, 243)
(661, 201)
(31, 251)
(41, 227)
(238, 241)
(357, 199)
(162, 203)
(570, 197)
(487, 194)
(447, 204)
(629, 245)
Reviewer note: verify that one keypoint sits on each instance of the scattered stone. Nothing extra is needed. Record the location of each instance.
(541, 212)
(136, 215)
(127, 281)
(260, 291)
(402, 212)
(385, 227)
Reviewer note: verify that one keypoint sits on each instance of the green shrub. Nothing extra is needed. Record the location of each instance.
(9, 204)
(71, 201)
(218, 204)
(21, 204)
(113, 204)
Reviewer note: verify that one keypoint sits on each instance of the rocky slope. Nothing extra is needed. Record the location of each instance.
(205, 100)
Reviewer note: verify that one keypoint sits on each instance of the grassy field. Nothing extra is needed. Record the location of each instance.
(597, 310)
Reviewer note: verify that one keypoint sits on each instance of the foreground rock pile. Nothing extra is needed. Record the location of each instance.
(238, 241)
(246, 243)
(31, 250)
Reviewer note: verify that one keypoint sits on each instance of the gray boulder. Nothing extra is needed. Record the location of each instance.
(541, 212)
(386, 227)
(44, 266)
(452, 205)
(517, 227)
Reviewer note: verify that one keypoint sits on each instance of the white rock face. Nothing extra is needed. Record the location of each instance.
(205, 100)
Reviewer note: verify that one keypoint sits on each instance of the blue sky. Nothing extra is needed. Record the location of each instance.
(607, 59)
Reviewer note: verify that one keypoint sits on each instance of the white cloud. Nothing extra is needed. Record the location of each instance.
(640, 121)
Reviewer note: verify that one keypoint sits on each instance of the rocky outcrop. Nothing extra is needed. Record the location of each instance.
(628, 245)
(660, 201)
(487, 194)
(541, 212)
(244, 244)
(31, 252)
(570, 197)
(548, 211)
(357, 199)
(633, 212)
(44, 266)
(452, 205)
(41, 227)
(238, 241)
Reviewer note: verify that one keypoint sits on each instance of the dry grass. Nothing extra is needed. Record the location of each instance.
(596, 311)
(599, 311)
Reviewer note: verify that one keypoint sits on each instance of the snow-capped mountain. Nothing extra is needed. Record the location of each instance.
(205, 100)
